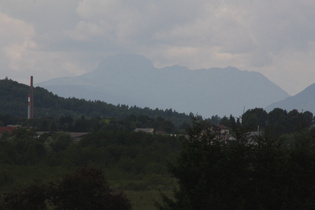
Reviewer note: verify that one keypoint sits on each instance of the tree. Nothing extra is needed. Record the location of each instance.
(86, 189)
(249, 173)
(196, 172)
(254, 118)
(31, 198)
(60, 141)
(83, 189)
(277, 122)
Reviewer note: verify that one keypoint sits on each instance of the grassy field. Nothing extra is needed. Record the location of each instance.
(141, 200)
(143, 190)
(145, 193)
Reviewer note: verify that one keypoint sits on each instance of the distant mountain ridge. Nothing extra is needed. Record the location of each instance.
(303, 101)
(133, 80)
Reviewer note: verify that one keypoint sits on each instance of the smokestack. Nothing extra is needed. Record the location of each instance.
(30, 113)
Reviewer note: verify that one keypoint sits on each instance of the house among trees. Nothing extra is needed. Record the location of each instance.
(221, 132)
(145, 130)
(7, 129)
(77, 135)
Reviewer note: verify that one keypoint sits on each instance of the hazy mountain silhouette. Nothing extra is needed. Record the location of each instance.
(133, 80)
(304, 100)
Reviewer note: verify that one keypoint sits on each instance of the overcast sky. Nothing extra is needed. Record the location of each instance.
(54, 38)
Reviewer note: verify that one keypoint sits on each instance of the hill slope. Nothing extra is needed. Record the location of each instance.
(133, 80)
(13, 98)
(304, 100)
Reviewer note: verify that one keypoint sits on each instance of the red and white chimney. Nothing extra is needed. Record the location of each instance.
(30, 101)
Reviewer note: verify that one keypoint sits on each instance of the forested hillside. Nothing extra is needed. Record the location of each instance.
(13, 98)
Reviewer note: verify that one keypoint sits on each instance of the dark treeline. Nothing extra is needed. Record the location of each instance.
(276, 123)
(83, 124)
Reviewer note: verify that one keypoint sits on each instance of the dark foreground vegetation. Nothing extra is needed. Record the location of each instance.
(83, 189)
(260, 172)
(132, 162)
(268, 170)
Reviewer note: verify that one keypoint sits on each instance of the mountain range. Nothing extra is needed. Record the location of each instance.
(303, 101)
(133, 80)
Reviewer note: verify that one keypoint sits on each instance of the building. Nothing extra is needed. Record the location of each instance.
(145, 130)
(8, 130)
(221, 132)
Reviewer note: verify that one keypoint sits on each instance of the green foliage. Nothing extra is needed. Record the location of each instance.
(277, 122)
(22, 147)
(30, 198)
(249, 173)
(12, 95)
(86, 189)
(133, 161)
(83, 189)
(60, 141)
(254, 119)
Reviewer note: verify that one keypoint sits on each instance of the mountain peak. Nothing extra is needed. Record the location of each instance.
(310, 90)
(304, 100)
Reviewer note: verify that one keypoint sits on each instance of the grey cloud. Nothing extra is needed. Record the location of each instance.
(46, 16)
(249, 34)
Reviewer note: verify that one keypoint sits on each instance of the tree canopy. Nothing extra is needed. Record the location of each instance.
(83, 189)
(248, 173)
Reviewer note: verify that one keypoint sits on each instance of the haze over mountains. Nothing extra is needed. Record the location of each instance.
(133, 80)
